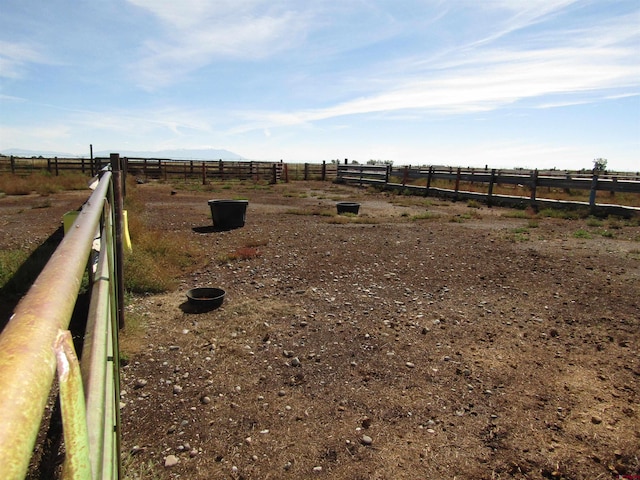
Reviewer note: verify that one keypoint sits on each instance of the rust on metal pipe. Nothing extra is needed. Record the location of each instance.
(76, 439)
(27, 360)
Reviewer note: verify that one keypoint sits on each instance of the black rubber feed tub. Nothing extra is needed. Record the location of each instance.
(228, 213)
(348, 207)
(203, 299)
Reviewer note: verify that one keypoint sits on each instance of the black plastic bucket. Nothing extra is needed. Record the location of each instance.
(228, 213)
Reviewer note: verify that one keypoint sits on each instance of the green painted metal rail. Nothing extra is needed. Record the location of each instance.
(36, 342)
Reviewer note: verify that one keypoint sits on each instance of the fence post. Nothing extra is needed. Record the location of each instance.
(56, 165)
(221, 169)
(614, 185)
(387, 174)
(324, 170)
(455, 197)
(534, 186)
(119, 253)
(204, 174)
(429, 176)
(491, 182)
(13, 165)
(592, 193)
(405, 175)
(286, 173)
(306, 171)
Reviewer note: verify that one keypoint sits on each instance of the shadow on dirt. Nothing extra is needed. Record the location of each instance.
(21, 281)
(212, 229)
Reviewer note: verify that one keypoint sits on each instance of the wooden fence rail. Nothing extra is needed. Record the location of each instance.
(166, 168)
(412, 179)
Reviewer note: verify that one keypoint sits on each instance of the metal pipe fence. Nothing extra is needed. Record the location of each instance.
(35, 343)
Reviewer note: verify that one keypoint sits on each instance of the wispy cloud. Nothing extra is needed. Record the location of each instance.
(590, 65)
(15, 56)
(195, 33)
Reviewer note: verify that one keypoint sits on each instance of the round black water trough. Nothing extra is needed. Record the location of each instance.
(228, 213)
(348, 207)
(203, 299)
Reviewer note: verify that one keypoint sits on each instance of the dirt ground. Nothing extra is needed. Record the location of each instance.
(419, 339)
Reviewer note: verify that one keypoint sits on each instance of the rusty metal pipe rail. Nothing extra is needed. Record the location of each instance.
(27, 359)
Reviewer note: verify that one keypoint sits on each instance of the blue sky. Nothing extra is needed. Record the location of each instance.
(504, 83)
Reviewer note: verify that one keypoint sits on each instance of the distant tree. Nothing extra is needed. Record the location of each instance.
(354, 162)
(599, 165)
(379, 162)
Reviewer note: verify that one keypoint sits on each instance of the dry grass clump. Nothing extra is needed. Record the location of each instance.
(42, 183)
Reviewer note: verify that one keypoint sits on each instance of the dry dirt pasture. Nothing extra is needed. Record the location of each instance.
(421, 339)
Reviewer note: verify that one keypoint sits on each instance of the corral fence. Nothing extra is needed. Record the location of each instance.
(36, 342)
(166, 168)
(423, 180)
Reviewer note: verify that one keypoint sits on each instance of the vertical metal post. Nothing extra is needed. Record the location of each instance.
(119, 221)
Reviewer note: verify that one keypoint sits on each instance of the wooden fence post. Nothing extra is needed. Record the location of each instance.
(221, 169)
(306, 171)
(429, 176)
(13, 165)
(56, 165)
(534, 186)
(405, 175)
(324, 170)
(491, 182)
(592, 193)
(457, 188)
(204, 173)
(614, 185)
(286, 173)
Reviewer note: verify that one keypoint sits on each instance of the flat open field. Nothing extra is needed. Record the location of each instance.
(419, 339)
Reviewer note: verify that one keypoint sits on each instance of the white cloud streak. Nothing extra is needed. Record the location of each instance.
(15, 56)
(196, 32)
(593, 65)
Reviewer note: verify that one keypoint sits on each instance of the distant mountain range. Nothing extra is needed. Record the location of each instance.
(179, 154)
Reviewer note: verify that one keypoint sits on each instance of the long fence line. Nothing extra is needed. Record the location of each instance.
(421, 180)
(165, 168)
(36, 342)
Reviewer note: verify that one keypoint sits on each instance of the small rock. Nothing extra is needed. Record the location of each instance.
(367, 440)
(206, 400)
(170, 461)
(295, 362)
(141, 382)
(317, 469)
(193, 452)
(596, 420)
(177, 389)
(410, 365)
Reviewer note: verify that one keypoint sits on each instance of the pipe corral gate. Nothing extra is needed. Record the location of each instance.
(36, 343)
